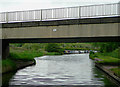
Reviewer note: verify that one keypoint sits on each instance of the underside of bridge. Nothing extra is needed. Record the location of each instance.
(61, 31)
(5, 43)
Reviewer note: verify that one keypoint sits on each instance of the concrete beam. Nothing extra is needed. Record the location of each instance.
(65, 40)
(99, 20)
(64, 31)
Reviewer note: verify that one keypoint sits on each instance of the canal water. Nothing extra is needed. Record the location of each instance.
(74, 69)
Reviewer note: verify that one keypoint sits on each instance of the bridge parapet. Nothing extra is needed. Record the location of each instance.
(79, 12)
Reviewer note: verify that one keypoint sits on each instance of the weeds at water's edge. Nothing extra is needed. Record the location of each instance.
(9, 64)
(108, 60)
(116, 71)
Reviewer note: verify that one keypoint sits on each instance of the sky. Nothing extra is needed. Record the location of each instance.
(20, 5)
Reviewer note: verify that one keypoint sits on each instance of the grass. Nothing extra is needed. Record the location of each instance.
(28, 55)
(106, 60)
(116, 71)
(70, 48)
(111, 58)
(24, 54)
(16, 54)
(8, 62)
(115, 53)
(7, 65)
(19, 53)
(53, 53)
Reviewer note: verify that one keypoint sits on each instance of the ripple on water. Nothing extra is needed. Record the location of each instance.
(59, 70)
(42, 79)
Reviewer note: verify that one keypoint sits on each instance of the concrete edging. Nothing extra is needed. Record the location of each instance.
(110, 75)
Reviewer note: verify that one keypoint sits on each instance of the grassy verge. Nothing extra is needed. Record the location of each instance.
(116, 71)
(53, 53)
(24, 55)
(8, 65)
(107, 59)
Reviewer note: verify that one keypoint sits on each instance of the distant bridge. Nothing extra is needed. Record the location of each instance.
(95, 23)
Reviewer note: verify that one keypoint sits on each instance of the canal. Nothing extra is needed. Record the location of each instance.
(73, 69)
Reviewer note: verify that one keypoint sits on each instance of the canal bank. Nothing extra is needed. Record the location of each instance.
(18, 64)
(60, 70)
(107, 64)
(110, 75)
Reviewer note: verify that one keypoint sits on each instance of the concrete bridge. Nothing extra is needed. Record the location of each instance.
(96, 23)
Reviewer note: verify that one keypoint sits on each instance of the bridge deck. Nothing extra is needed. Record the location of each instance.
(99, 20)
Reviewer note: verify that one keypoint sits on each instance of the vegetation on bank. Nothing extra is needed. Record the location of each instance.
(106, 60)
(109, 55)
(116, 71)
(27, 52)
(24, 54)
(54, 47)
(108, 52)
(8, 65)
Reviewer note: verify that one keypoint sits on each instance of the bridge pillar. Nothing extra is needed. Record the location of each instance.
(0, 49)
(5, 49)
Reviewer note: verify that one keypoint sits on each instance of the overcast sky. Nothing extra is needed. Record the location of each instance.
(19, 5)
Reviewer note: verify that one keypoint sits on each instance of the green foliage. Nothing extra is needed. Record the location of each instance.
(115, 53)
(41, 46)
(116, 71)
(8, 65)
(92, 55)
(34, 46)
(8, 62)
(26, 55)
(68, 48)
(53, 53)
(107, 60)
(106, 46)
(54, 47)
(16, 44)
(76, 46)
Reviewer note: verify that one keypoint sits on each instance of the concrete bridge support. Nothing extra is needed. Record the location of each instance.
(5, 49)
(0, 49)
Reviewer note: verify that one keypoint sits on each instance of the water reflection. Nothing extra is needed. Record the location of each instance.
(6, 78)
(75, 69)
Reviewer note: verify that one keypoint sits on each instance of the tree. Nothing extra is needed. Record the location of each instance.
(107, 46)
(54, 47)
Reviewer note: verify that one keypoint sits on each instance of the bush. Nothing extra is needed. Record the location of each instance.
(26, 55)
(92, 55)
(53, 47)
(116, 71)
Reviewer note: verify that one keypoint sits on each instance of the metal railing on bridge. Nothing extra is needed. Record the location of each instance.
(91, 11)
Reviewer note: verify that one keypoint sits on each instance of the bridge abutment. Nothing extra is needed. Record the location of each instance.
(5, 49)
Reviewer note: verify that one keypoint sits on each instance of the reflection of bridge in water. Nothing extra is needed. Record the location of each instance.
(95, 23)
